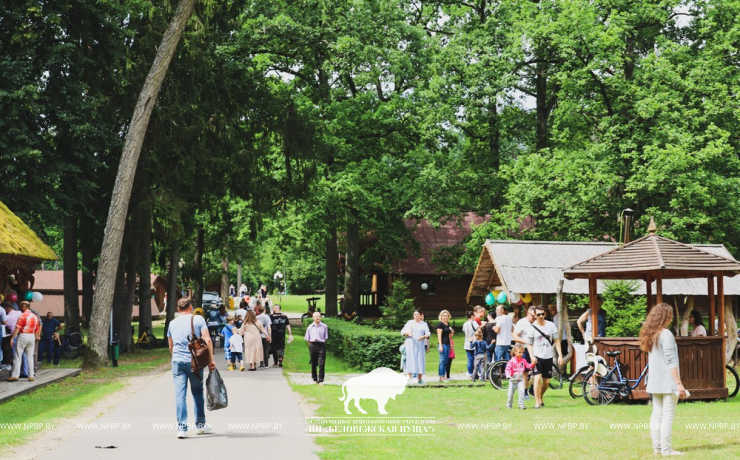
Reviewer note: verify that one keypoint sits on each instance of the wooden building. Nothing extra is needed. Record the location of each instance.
(443, 290)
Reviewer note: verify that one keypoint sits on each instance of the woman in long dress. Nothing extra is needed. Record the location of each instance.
(416, 332)
(252, 331)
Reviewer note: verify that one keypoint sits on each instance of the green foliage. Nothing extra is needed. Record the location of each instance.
(625, 312)
(399, 306)
(364, 347)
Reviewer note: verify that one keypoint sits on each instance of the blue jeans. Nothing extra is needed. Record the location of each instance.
(490, 350)
(471, 358)
(502, 352)
(444, 355)
(181, 374)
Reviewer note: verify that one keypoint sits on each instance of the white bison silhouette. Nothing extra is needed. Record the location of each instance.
(381, 385)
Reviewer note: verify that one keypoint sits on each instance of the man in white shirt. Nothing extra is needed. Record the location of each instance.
(520, 335)
(542, 342)
(503, 333)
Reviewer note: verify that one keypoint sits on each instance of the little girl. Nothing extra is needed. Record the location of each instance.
(515, 373)
(228, 332)
(451, 355)
(479, 352)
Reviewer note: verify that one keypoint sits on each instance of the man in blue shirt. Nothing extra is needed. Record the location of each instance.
(317, 333)
(177, 334)
(46, 346)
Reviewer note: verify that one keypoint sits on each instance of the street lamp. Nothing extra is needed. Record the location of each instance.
(181, 264)
(278, 276)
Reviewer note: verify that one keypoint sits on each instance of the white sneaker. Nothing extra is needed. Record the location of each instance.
(206, 428)
(182, 434)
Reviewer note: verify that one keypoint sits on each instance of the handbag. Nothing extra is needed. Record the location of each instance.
(200, 356)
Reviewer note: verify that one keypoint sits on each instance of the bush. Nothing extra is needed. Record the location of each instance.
(364, 347)
(399, 308)
(625, 311)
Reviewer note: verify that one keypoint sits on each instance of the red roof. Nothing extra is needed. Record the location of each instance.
(432, 239)
(53, 280)
(54, 303)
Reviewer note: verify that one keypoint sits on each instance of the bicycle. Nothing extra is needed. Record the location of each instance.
(497, 376)
(602, 390)
(71, 345)
(575, 387)
(733, 381)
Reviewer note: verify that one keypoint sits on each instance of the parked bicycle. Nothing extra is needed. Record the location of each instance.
(71, 345)
(602, 390)
(733, 381)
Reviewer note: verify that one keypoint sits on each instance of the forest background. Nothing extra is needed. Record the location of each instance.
(285, 131)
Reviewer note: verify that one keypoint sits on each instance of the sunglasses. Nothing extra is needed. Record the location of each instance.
(540, 314)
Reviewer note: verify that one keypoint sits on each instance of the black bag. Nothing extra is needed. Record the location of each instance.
(216, 391)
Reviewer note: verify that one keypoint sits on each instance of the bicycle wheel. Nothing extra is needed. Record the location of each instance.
(556, 381)
(598, 396)
(733, 382)
(575, 388)
(69, 352)
(75, 340)
(497, 375)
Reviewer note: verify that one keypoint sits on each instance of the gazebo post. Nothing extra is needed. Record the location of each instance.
(721, 308)
(649, 291)
(593, 305)
(710, 293)
(659, 288)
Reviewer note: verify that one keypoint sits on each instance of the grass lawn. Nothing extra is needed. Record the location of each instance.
(567, 428)
(71, 396)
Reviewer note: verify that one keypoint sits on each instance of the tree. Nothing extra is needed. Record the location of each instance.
(111, 250)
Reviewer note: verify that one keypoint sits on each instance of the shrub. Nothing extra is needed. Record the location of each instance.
(399, 308)
(364, 347)
(625, 311)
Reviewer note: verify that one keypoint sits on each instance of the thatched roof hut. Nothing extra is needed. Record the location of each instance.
(20, 251)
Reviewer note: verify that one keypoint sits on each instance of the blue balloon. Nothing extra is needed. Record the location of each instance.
(490, 300)
(501, 297)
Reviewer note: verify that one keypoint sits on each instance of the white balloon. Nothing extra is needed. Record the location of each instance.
(37, 297)
(514, 297)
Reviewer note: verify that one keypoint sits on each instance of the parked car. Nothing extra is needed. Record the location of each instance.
(211, 300)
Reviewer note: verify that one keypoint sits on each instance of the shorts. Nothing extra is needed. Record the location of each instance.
(236, 356)
(543, 367)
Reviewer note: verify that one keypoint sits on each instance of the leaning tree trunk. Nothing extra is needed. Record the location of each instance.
(351, 274)
(330, 283)
(113, 236)
(684, 326)
(563, 323)
(71, 293)
(225, 279)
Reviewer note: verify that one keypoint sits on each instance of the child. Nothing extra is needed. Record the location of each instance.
(236, 345)
(228, 332)
(239, 321)
(452, 353)
(515, 373)
(479, 351)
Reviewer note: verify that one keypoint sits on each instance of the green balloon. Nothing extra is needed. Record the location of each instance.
(28, 296)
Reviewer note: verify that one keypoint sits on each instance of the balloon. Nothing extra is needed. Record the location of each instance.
(526, 298)
(2, 297)
(28, 296)
(490, 299)
(13, 297)
(38, 297)
(495, 293)
(514, 297)
(501, 297)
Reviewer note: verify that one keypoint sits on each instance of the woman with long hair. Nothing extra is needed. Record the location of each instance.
(664, 384)
(443, 339)
(698, 323)
(252, 331)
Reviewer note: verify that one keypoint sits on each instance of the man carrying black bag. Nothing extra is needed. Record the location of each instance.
(179, 333)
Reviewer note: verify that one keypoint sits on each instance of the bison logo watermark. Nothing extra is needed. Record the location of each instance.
(381, 385)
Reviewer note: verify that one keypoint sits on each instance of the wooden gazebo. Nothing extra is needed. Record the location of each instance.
(654, 258)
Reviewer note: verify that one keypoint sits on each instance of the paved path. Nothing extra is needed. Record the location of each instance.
(339, 379)
(263, 420)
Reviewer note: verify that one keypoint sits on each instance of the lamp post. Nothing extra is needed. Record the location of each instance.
(181, 264)
(278, 276)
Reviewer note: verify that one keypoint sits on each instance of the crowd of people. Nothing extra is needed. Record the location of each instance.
(24, 334)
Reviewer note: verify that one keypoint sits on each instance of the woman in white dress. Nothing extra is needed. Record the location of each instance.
(416, 332)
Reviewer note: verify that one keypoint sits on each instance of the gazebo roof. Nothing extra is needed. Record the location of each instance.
(17, 240)
(651, 254)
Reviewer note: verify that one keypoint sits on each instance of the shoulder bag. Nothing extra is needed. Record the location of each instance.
(200, 356)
